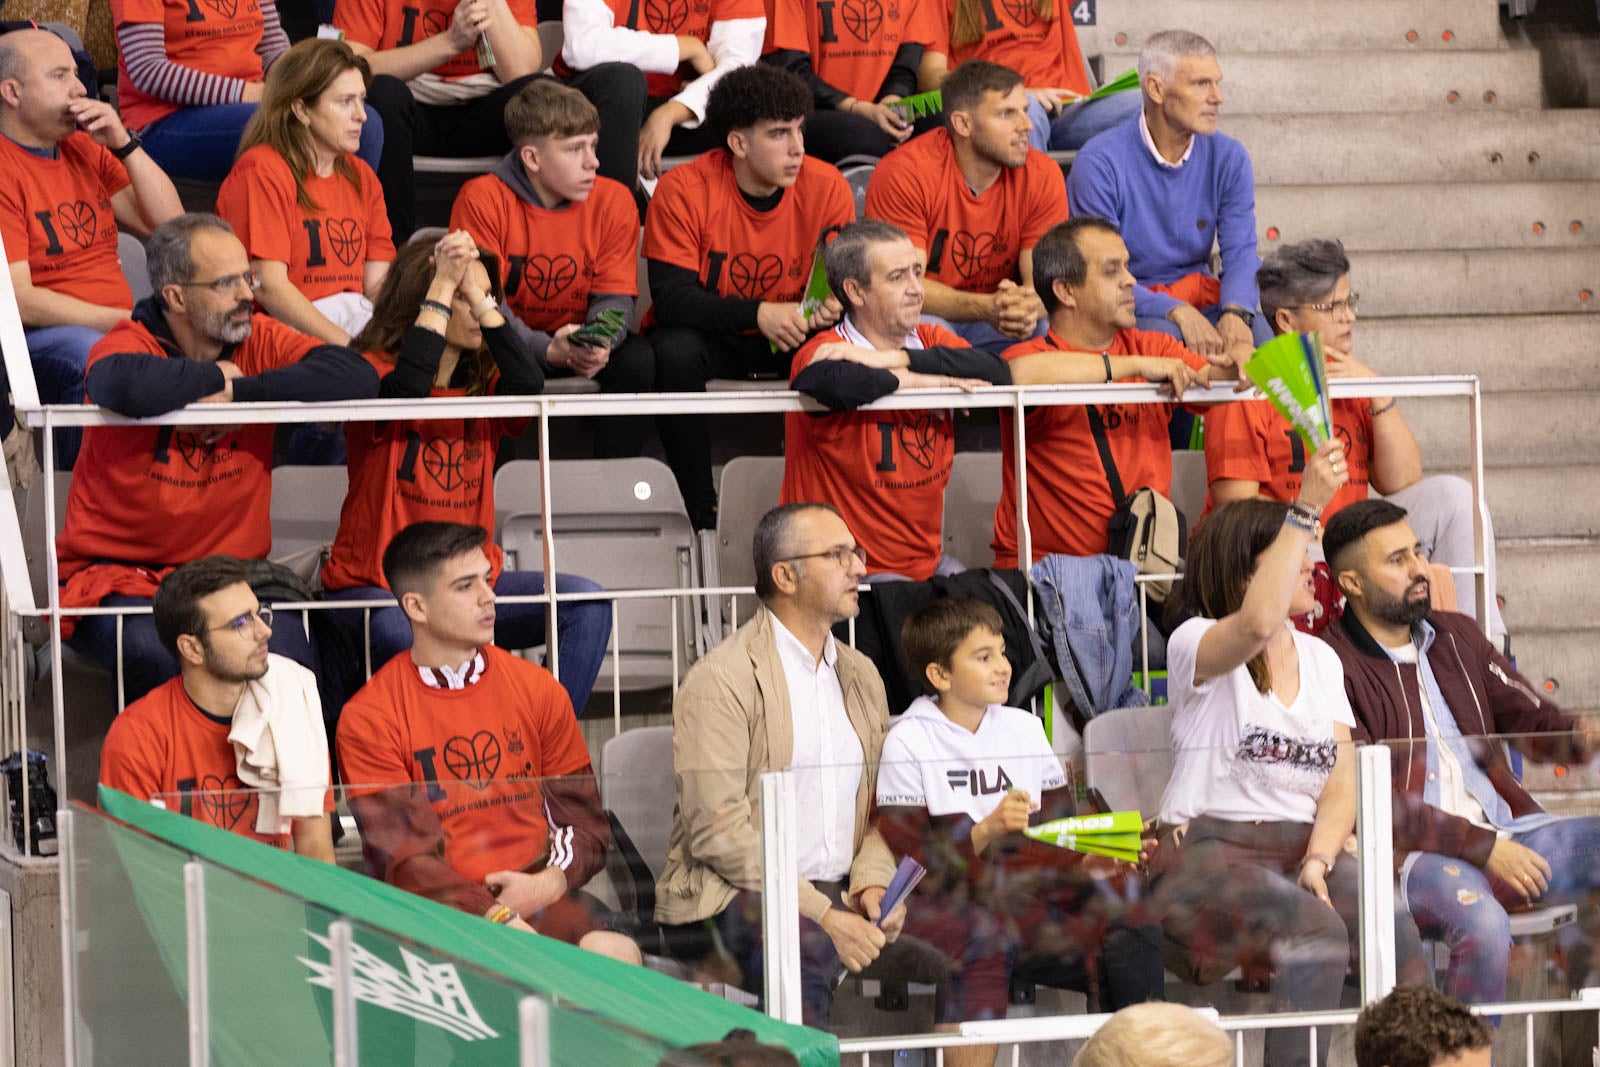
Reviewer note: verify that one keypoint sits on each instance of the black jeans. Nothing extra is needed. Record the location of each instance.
(477, 128)
(686, 359)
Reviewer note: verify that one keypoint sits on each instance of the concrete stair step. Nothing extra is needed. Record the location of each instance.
(1293, 83)
(1543, 583)
(1308, 26)
(1569, 658)
(1508, 353)
(1460, 145)
(1519, 429)
(1434, 216)
(1480, 282)
(1532, 502)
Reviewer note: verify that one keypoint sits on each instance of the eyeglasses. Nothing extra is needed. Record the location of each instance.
(840, 555)
(1334, 307)
(245, 624)
(228, 282)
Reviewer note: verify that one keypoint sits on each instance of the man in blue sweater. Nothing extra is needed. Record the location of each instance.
(1176, 187)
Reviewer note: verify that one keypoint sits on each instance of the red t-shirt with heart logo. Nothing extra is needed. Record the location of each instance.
(972, 242)
(440, 470)
(57, 215)
(698, 220)
(852, 43)
(383, 25)
(553, 260)
(164, 746)
(1044, 51)
(217, 37)
(884, 470)
(327, 248)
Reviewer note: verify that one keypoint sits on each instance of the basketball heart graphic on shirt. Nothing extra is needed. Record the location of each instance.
(666, 16)
(863, 18)
(196, 451)
(434, 23)
(226, 8)
(77, 221)
(919, 439)
(972, 254)
(224, 799)
(547, 277)
(475, 760)
(448, 461)
(346, 238)
(1021, 11)
(751, 275)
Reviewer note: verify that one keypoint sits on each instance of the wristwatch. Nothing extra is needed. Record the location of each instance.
(1248, 317)
(133, 145)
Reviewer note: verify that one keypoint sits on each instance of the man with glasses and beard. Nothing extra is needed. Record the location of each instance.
(148, 498)
(178, 743)
(1434, 689)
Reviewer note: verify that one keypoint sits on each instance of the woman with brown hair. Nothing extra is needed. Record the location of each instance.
(1251, 869)
(309, 211)
(437, 331)
(1035, 38)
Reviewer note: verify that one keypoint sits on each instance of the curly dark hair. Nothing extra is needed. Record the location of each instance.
(1416, 1027)
(747, 95)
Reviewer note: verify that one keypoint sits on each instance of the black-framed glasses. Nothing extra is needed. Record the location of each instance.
(1335, 307)
(840, 555)
(228, 282)
(245, 624)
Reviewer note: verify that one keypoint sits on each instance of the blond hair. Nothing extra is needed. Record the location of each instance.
(1157, 1034)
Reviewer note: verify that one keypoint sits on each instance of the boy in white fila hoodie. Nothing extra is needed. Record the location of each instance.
(962, 775)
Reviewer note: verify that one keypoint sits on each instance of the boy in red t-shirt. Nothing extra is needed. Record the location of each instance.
(730, 240)
(466, 770)
(884, 470)
(1081, 275)
(975, 199)
(70, 174)
(196, 743)
(569, 239)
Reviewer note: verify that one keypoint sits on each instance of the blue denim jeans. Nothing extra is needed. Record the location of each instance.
(146, 663)
(200, 143)
(1454, 902)
(1072, 126)
(59, 355)
(982, 335)
(584, 628)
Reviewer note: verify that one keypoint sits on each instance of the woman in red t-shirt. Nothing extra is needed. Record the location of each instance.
(1035, 38)
(310, 213)
(437, 331)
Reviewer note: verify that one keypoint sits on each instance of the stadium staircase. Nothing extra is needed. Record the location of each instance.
(1414, 131)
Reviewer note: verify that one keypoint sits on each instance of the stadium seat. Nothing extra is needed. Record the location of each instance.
(746, 385)
(749, 490)
(1128, 757)
(969, 503)
(571, 386)
(134, 266)
(620, 522)
(305, 514)
(1189, 486)
(637, 786)
(858, 174)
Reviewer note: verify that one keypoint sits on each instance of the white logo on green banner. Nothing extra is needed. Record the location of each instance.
(428, 992)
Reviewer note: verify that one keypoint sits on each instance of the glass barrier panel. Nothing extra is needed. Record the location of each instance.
(128, 937)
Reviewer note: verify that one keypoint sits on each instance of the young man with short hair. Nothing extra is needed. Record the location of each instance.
(886, 471)
(1413, 1026)
(975, 199)
(1080, 272)
(465, 767)
(730, 240)
(568, 241)
(202, 740)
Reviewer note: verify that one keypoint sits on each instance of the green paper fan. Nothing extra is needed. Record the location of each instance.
(1128, 79)
(918, 106)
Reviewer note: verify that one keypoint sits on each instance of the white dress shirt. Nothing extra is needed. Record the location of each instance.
(1155, 153)
(827, 758)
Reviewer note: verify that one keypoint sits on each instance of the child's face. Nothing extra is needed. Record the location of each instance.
(978, 674)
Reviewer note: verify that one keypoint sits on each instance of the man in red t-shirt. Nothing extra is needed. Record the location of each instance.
(70, 173)
(446, 71)
(730, 240)
(858, 58)
(236, 740)
(884, 470)
(466, 770)
(1081, 274)
(975, 199)
(1252, 451)
(568, 242)
(148, 498)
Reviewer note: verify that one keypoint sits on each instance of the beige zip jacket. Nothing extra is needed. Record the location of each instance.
(731, 723)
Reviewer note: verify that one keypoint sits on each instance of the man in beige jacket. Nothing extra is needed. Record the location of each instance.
(782, 693)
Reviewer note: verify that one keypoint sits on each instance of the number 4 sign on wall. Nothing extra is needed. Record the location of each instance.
(1083, 13)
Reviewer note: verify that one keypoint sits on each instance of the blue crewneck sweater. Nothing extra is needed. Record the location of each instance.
(1170, 218)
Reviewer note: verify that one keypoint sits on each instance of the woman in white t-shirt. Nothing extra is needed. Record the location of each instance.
(1263, 791)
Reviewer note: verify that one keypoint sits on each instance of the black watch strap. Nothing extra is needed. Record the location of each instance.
(133, 145)
(1248, 317)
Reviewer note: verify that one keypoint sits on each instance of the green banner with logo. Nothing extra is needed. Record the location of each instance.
(433, 985)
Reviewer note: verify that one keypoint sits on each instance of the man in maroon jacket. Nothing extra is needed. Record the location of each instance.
(1432, 687)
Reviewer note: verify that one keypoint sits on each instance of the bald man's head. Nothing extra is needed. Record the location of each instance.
(38, 80)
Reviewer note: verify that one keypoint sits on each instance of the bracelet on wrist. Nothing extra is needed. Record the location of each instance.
(1376, 411)
(1105, 357)
(483, 307)
(435, 305)
(1301, 519)
(500, 914)
(1321, 857)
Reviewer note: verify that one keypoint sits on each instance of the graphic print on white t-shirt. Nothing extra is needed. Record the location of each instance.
(931, 762)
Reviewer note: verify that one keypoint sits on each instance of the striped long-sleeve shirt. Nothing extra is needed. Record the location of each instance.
(190, 53)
